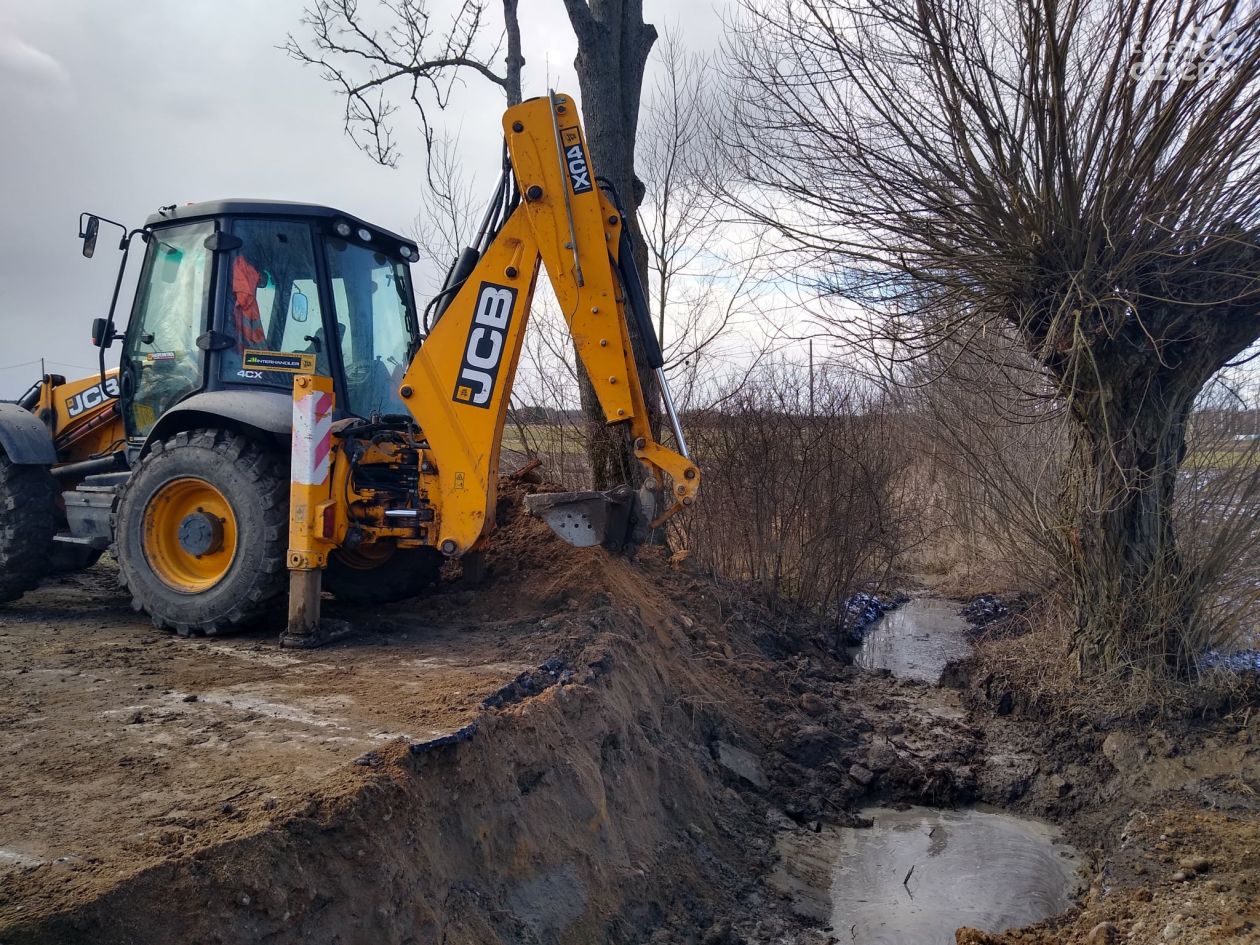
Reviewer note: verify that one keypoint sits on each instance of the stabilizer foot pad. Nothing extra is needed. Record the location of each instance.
(328, 631)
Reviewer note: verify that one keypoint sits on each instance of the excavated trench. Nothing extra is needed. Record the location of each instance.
(917, 874)
(644, 755)
(912, 875)
(641, 781)
(632, 784)
(915, 641)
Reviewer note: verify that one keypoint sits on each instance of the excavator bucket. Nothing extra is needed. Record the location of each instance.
(616, 519)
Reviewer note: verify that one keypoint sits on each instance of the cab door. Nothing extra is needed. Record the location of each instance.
(272, 311)
(161, 363)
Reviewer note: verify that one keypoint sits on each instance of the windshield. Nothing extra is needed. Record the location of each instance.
(372, 300)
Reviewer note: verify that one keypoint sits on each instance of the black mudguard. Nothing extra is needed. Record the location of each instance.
(26, 441)
(261, 411)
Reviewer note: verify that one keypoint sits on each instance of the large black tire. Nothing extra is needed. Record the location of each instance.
(27, 524)
(407, 572)
(254, 482)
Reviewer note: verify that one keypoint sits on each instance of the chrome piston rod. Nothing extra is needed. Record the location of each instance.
(672, 413)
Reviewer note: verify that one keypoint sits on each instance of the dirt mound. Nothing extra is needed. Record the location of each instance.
(524, 570)
(581, 796)
(1161, 795)
(553, 818)
(558, 746)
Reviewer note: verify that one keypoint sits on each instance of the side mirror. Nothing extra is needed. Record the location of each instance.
(102, 334)
(87, 232)
(299, 306)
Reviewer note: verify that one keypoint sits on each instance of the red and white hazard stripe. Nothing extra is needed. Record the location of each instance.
(312, 437)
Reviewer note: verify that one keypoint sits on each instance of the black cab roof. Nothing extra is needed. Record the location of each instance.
(238, 206)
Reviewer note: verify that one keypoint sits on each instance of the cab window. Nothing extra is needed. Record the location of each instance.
(372, 297)
(161, 363)
(272, 313)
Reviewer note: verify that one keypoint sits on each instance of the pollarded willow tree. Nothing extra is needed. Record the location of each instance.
(1081, 176)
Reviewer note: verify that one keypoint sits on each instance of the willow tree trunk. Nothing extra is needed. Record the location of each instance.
(1131, 394)
(1132, 594)
(613, 48)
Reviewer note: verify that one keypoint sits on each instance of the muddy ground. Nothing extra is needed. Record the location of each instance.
(578, 749)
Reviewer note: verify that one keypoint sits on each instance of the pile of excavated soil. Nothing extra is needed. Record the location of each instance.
(533, 757)
(571, 748)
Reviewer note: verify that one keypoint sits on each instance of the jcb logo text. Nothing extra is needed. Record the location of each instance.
(487, 337)
(85, 400)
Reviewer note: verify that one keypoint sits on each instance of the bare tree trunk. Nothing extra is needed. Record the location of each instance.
(613, 48)
(515, 61)
(1130, 589)
(1134, 594)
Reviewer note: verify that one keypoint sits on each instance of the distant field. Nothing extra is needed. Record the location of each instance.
(549, 438)
(1224, 456)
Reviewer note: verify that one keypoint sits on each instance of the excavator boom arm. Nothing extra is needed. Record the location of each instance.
(458, 385)
(396, 486)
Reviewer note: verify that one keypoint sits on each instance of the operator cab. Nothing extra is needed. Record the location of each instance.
(246, 294)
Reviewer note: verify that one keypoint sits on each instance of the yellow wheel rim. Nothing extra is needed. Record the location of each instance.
(189, 535)
(368, 556)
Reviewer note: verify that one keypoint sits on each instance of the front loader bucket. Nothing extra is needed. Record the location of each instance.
(613, 519)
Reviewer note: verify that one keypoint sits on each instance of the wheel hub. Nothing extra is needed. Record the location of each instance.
(190, 534)
(201, 533)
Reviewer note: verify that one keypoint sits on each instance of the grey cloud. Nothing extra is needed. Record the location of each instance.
(24, 63)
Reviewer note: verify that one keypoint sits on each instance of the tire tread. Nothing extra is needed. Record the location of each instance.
(263, 590)
(27, 526)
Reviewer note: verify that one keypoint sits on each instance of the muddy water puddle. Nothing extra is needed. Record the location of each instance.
(915, 641)
(918, 875)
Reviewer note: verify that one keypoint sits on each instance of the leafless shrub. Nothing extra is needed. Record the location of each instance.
(991, 447)
(1217, 515)
(802, 504)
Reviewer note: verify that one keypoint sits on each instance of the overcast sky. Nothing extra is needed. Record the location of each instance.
(121, 108)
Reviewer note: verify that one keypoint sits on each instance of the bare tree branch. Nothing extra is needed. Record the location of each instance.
(406, 51)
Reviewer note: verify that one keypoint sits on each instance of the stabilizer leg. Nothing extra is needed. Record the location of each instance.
(306, 629)
(310, 464)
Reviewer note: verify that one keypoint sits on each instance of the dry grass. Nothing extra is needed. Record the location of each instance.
(946, 567)
(965, 542)
(1031, 659)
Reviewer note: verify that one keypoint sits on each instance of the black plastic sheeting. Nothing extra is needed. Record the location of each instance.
(862, 610)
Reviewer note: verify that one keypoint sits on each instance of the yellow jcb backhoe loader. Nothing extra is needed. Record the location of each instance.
(279, 421)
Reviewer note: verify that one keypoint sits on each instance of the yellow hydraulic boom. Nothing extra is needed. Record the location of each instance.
(429, 480)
